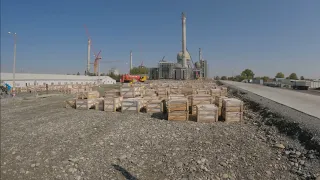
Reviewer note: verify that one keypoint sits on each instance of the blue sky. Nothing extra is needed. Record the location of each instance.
(266, 36)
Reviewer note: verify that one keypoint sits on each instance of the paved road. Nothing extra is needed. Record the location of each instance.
(307, 103)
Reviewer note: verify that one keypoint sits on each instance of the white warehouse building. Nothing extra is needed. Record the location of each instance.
(26, 79)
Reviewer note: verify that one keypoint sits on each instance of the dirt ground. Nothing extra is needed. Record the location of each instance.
(42, 140)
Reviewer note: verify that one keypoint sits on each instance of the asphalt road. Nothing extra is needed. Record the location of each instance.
(307, 103)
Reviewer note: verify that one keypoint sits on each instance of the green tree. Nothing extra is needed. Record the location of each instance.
(78, 74)
(113, 76)
(279, 75)
(265, 78)
(293, 76)
(239, 78)
(139, 70)
(224, 78)
(247, 74)
(301, 78)
(217, 78)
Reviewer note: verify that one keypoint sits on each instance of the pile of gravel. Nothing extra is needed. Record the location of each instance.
(42, 140)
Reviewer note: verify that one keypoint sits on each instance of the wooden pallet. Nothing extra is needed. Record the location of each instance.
(130, 92)
(111, 104)
(224, 91)
(208, 113)
(131, 105)
(199, 99)
(218, 102)
(176, 96)
(112, 93)
(154, 106)
(85, 103)
(70, 103)
(87, 94)
(232, 110)
(202, 91)
(99, 105)
(178, 116)
(215, 92)
(180, 104)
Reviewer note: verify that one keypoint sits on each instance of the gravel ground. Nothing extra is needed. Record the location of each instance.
(42, 140)
(301, 123)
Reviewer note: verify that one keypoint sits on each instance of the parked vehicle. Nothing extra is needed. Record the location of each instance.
(301, 84)
(128, 78)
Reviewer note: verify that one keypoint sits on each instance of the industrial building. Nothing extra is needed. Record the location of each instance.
(184, 68)
(25, 80)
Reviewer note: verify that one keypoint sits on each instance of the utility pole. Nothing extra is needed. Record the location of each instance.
(14, 64)
(130, 62)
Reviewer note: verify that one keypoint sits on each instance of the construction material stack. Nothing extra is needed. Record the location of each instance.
(207, 113)
(215, 93)
(224, 91)
(112, 100)
(218, 103)
(131, 105)
(232, 110)
(162, 92)
(130, 92)
(155, 106)
(178, 109)
(86, 100)
(199, 99)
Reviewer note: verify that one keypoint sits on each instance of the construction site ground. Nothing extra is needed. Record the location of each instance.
(42, 140)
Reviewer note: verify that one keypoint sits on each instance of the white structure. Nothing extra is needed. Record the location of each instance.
(114, 71)
(184, 41)
(24, 79)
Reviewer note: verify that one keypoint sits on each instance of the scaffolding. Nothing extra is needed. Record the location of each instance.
(166, 70)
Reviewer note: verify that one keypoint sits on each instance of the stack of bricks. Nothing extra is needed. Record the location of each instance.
(207, 113)
(178, 109)
(232, 110)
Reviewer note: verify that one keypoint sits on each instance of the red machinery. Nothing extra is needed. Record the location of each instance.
(125, 78)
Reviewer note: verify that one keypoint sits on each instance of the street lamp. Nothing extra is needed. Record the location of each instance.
(14, 63)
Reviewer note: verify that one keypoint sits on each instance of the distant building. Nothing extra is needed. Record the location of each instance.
(166, 69)
(153, 73)
(204, 68)
(26, 79)
(114, 71)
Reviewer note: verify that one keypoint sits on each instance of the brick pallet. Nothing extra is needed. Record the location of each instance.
(207, 113)
(178, 109)
(132, 104)
(88, 95)
(112, 93)
(199, 99)
(130, 92)
(215, 92)
(232, 109)
(218, 103)
(85, 103)
(155, 106)
(111, 104)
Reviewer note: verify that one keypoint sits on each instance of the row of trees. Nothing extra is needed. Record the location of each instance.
(248, 74)
(291, 76)
(139, 70)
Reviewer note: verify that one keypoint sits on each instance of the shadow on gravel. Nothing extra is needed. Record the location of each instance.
(159, 115)
(284, 126)
(124, 172)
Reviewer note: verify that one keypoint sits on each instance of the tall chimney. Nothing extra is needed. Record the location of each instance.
(200, 55)
(130, 60)
(88, 58)
(184, 41)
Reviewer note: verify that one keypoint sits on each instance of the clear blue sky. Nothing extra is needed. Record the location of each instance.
(266, 36)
